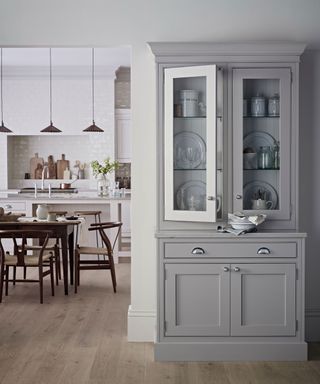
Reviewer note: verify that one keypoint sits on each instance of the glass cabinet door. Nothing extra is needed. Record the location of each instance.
(261, 141)
(190, 144)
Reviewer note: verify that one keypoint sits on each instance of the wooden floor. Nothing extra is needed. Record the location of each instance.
(82, 339)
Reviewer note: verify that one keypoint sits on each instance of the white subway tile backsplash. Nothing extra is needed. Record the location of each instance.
(27, 112)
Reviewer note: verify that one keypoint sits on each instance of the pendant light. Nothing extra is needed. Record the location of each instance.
(3, 129)
(50, 128)
(93, 127)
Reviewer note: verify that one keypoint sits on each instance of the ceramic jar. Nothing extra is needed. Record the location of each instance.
(42, 212)
(189, 100)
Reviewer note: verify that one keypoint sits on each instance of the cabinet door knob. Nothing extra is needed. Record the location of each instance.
(236, 269)
(226, 269)
(263, 251)
(198, 251)
(238, 197)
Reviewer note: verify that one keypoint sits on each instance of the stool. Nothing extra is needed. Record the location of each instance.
(97, 219)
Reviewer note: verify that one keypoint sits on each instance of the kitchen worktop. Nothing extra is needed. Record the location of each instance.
(85, 196)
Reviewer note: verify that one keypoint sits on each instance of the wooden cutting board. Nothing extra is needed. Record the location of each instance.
(52, 169)
(34, 161)
(62, 164)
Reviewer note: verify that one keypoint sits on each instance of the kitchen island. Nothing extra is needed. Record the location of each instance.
(112, 208)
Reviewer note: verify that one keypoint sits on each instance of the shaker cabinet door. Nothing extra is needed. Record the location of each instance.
(261, 141)
(197, 299)
(190, 144)
(263, 300)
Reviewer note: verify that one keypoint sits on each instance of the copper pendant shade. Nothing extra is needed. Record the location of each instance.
(3, 128)
(50, 128)
(93, 127)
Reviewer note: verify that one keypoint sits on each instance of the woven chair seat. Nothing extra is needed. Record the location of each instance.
(92, 250)
(29, 261)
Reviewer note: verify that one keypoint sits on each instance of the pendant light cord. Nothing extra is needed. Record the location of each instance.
(92, 81)
(50, 61)
(1, 90)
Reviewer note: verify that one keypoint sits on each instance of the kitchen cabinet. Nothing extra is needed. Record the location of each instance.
(230, 299)
(261, 140)
(228, 130)
(123, 135)
(190, 169)
(227, 298)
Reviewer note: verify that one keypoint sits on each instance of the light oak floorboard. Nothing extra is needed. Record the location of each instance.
(81, 339)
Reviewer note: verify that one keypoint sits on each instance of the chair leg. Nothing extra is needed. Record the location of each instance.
(58, 261)
(52, 276)
(7, 279)
(57, 264)
(113, 274)
(41, 283)
(76, 271)
(2, 273)
(14, 275)
(25, 272)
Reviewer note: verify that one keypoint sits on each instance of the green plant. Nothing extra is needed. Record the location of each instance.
(106, 167)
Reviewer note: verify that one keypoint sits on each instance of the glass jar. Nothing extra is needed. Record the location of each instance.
(276, 157)
(258, 106)
(103, 185)
(274, 105)
(265, 158)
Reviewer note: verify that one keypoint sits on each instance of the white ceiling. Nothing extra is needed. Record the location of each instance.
(106, 22)
(113, 56)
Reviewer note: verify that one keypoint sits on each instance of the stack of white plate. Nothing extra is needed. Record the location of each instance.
(241, 223)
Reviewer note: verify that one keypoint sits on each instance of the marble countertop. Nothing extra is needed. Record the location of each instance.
(80, 196)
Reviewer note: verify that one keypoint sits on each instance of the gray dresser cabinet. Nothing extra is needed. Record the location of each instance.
(228, 141)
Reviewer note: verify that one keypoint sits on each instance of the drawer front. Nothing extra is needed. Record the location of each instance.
(13, 206)
(218, 250)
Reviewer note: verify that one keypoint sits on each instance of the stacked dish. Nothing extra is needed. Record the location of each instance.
(241, 222)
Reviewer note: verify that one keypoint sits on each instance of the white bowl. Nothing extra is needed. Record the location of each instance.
(242, 226)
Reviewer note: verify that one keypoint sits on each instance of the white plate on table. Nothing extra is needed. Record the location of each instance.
(253, 187)
(189, 150)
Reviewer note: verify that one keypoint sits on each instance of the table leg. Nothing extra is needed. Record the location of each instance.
(114, 216)
(64, 252)
(71, 255)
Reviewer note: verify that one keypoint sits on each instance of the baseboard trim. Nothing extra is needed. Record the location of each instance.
(141, 325)
(313, 324)
(231, 351)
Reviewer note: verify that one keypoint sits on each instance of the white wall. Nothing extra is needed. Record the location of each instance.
(97, 22)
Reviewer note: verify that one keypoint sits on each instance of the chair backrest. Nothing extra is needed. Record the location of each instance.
(24, 235)
(107, 225)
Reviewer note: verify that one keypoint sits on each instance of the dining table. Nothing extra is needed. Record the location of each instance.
(63, 230)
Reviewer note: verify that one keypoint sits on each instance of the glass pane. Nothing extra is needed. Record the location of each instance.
(189, 144)
(261, 144)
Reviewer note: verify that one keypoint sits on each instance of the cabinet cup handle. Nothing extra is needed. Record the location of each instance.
(236, 269)
(238, 197)
(263, 251)
(198, 251)
(225, 269)
(8, 206)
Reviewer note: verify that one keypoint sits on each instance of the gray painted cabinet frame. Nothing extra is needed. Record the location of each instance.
(230, 302)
